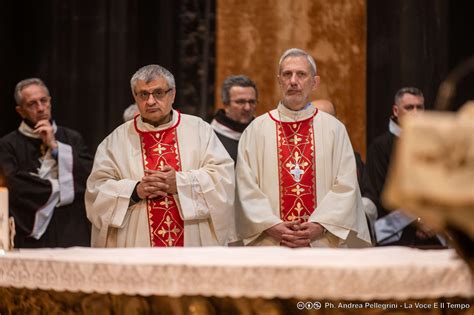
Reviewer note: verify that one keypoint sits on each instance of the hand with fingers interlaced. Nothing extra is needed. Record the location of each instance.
(296, 234)
(157, 183)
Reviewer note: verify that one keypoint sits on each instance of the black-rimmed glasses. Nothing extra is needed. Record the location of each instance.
(242, 102)
(158, 94)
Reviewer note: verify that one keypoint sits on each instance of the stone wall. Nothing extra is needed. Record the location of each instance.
(252, 35)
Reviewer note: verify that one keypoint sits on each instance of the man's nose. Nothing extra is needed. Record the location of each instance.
(293, 79)
(40, 106)
(153, 101)
(415, 110)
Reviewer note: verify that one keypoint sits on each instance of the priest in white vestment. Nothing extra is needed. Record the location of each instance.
(161, 179)
(296, 171)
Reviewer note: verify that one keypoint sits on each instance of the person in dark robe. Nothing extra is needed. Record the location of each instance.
(45, 168)
(239, 96)
(392, 226)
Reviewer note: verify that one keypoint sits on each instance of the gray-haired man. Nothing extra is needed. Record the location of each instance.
(296, 172)
(46, 167)
(161, 179)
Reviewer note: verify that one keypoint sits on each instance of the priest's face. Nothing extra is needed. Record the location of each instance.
(154, 100)
(243, 101)
(409, 104)
(296, 82)
(35, 104)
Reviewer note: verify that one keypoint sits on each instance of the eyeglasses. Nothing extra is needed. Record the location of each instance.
(242, 102)
(157, 94)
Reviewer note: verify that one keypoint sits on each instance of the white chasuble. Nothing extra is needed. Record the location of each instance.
(308, 171)
(204, 178)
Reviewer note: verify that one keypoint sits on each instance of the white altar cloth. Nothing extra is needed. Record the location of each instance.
(268, 272)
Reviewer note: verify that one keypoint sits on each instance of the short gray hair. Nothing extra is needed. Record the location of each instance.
(407, 90)
(235, 80)
(25, 83)
(296, 52)
(150, 73)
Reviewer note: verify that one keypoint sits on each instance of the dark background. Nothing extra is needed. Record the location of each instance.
(415, 43)
(87, 51)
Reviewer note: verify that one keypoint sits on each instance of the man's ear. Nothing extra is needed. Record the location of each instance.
(317, 81)
(20, 111)
(225, 107)
(395, 110)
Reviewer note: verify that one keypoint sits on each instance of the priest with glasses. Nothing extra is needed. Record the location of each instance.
(161, 179)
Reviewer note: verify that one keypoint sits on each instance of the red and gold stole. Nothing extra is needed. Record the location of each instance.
(296, 169)
(160, 148)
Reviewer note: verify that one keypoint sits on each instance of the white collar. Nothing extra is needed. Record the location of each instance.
(394, 128)
(143, 126)
(288, 115)
(225, 131)
(29, 132)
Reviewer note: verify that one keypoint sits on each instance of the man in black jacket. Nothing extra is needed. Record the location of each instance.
(239, 97)
(393, 227)
(45, 168)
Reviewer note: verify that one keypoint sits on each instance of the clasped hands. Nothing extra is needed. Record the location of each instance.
(157, 183)
(423, 231)
(296, 234)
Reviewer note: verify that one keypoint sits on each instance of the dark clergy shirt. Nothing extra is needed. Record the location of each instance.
(379, 156)
(228, 131)
(20, 162)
